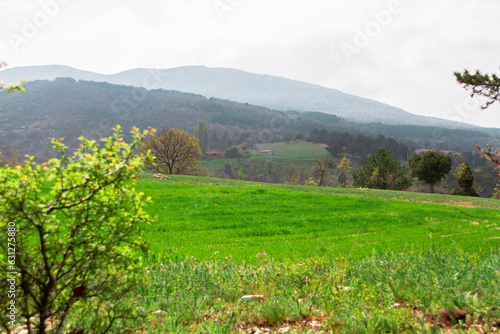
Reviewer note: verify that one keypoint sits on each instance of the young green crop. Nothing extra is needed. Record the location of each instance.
(239, 220)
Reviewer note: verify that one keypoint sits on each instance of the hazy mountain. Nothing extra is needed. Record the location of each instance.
(235, 85)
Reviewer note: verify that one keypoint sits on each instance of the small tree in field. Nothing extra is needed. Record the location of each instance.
(431, 168)
(232, 153)
(175, 152)
(69, 236)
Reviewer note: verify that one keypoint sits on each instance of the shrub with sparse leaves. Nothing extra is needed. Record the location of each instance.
(76, 238)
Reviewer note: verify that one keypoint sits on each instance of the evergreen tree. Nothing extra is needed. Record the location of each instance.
(487, 85)
(465, 180)
(432, 167)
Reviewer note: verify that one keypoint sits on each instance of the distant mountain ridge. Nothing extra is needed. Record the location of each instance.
(257, 89)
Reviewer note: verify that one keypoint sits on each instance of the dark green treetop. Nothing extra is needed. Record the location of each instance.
(382, 170)
(432, 167)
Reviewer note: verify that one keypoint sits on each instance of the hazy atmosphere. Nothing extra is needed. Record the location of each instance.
(402, 53)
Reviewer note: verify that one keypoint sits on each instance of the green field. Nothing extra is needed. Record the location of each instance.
(300, 150)
(240, 220)
(336, 260)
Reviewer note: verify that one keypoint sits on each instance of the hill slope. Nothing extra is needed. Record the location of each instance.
(65, 108)
(235, 85)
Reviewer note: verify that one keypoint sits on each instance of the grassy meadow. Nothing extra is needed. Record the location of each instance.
(240, 220)
(323, 259)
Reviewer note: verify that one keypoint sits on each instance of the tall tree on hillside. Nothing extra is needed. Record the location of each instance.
(432, 167)
(382, 170)
(201, 132)
(175, 151)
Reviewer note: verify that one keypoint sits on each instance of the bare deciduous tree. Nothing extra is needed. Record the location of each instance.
(176, 152)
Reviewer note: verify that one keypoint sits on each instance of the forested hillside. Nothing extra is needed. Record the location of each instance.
(65, 108)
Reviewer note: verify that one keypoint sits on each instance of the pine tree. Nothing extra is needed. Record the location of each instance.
(487, 85)
(431, 168)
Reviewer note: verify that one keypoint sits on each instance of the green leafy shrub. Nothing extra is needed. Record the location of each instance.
(69, 232)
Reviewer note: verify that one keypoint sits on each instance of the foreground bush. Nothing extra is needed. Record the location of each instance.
(68, 231)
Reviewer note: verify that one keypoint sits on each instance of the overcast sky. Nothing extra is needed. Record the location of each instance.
(399, 52)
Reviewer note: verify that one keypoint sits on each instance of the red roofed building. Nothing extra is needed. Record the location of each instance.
(214, 155)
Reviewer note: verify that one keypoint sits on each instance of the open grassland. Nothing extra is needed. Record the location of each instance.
(336, 260)
(239, 219)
